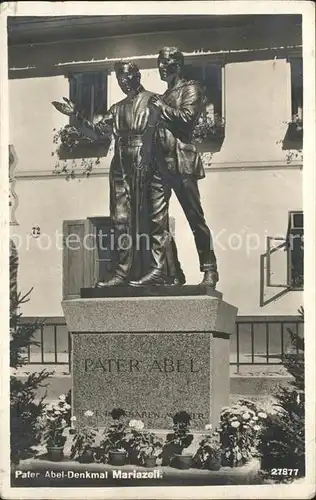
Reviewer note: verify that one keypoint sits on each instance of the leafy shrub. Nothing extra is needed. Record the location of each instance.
(283, 442)
(25, 409)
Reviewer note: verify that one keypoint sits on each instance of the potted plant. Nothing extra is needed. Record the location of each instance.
(240, 428)
(134, 439)
(150, 449)
(209, 128)
(83, 448)
(209, 133)
(179, 440)
(73, 145)
(209, 453)
(114, 444)
(54, 425)
(144, 446)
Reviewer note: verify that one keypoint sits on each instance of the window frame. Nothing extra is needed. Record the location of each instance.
(297, 96)
(294, 231)
(93, 110)
(87, 147)
(284, 244)
(94, 224)
(13, 197)
(294, 135)
(213, 142)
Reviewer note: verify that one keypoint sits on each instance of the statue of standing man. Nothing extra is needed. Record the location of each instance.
(178, 165)
(133, 123)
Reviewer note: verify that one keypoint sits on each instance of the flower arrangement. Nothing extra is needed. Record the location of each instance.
(134, 439)
(150, 446)
(297, 119)
(71, 142)
(293, 139)
(142, 444)
(55, 422)
(209, 453)
(180, 439)
(240, 428)
(83, 440)
(69, 137)
(181, 430)
(115, 437)
(207, 158)
(209, 128)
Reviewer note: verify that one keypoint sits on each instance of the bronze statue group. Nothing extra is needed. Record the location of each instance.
(153, 156)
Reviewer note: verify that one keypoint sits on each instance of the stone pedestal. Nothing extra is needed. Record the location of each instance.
(151, 356)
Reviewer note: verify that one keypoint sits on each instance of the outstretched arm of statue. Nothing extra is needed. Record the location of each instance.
(101, 125)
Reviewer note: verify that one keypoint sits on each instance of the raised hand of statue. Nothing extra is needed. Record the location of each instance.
(156, 101)
(66, 108)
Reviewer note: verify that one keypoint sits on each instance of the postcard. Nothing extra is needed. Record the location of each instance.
(158, 250)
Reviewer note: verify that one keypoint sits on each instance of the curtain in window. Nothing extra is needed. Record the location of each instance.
(89, 92)
(210, 78)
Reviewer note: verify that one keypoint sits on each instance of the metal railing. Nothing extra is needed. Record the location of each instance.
(263, 341)
(53, 344)
(256, 341)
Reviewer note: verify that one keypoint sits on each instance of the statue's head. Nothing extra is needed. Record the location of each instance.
(170, 62)
(128, 75)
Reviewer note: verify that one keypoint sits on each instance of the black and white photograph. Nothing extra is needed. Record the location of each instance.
(157, 187)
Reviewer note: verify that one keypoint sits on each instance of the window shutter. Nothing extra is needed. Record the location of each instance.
(105, 256)
(276, 263)
(213, 86)
(78, 257)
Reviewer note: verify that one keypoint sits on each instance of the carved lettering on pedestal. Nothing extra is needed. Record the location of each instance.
(120, 365)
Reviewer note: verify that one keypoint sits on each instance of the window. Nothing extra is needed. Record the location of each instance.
(285, 255)
(84, 262)
(297, 88)
(295, 242)
(294, 135)
(13, 199)
(89, 92)
(210, 127)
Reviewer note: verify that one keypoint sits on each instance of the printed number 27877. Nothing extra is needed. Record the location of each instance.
(284, 472)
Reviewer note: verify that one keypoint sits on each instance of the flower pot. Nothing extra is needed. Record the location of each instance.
(240, 463)
(133, 457)
(87, 457)
(214, 463)
(117, 458)
(183, 461)
(55, 453)
(150, 461)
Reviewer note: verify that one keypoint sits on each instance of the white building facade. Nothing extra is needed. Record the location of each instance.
(251, 67)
